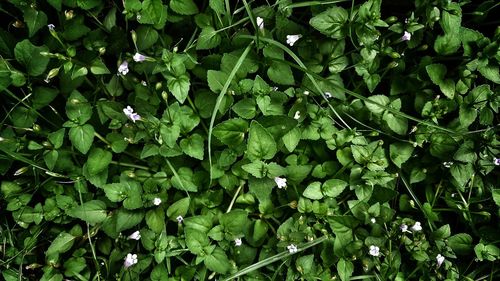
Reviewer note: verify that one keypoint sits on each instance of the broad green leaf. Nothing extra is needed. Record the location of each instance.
(35, 20)
(155, 219)
(345, 269)
(43, 96)
(146, 37)
(257, 169)
(313, 191)
(93, 212)
(380, 99)
(261, 144)
(98, 67)
(50, 158)
(179, 208)
(82, 137)
(218, 261)
(234, 222)
(184, 7)
(447, 44)
(437, 74)
(292, 139)
(397, 124)
(29, 56)
(98, 160)
(490, 72)
(400, 152)
(218, 6)
(216, 80)
(63, 242)
(245, 108)
(56, 4)
(462, 173)
(193, 146)
(331, 22)
(78, 109)
(179, 86)
(88, 4)
(333, 187)
(153, 12)
(196, 240)
(209, 38)
(280, 73)
(231, 132)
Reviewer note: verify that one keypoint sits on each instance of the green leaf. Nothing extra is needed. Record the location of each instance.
(261, 144)
(155, 219)
(209, 38)
(467, 115)
(98, 160)
(216, 80)
(257, 169)
(462, 173)
(153, 12)
(400, 152)
(231, 132)
(98, 67)
(280, 73)
(169, 134)
(179, 208)
(331, 22)
(50, 158)
(447, 44)
(333, 187)
(234, 222)
(88, 4)
(146, 37)
(29, 56)
(397, 124)
(345, 269)
(218, 6)
(245, 108)
(184, 7)
(196, 240)
(82, 137)
(35, 20)
(380, 99)
(63, 242)
(292, 139)
(490, 72)
(93, 212)
(313, 191)
(437, 73)
(43, 96)
(78, 108)
(56, 4)
(218, 261)
(179, 86)
(193, 146)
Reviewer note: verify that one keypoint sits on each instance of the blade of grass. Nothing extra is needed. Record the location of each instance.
(276, 258)
(219, 101)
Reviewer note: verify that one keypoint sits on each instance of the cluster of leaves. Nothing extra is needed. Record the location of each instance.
(379, 116)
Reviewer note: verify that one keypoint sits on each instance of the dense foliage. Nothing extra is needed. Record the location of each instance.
(263, 140)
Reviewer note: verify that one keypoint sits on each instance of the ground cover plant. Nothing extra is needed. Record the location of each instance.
(249, 140)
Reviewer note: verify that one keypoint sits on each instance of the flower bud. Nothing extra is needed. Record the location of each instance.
(134, 37)
(164, 95)
(69, 14)
(53, 73)
(102, 50)
(36, 128)
(394, 55)
(71, 51)
(158, 85)
(392, 19)
(47, 145)
(21, 171)
(423, 47)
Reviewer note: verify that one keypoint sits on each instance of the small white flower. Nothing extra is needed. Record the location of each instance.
(496, 161)
(404, 228)
(180, 219)
(129, 112)
(328, 95)
(439, 259)
(373, 220)
(139, 58)
(237, 242)
(306, 93)
(135, 236)
(292, 248)
(297, 115)
(1, 139)
(291, 39)
(157, 201)
(138, 17)
(406, 36)
(46, 80)
(123, 68)
(275, 89)
(280, 182)
(260, 22)
(374, 251)
(130, 260)
(51, 27)
(407, 20)
(447, 164)
(416, 227)
(144, 83)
